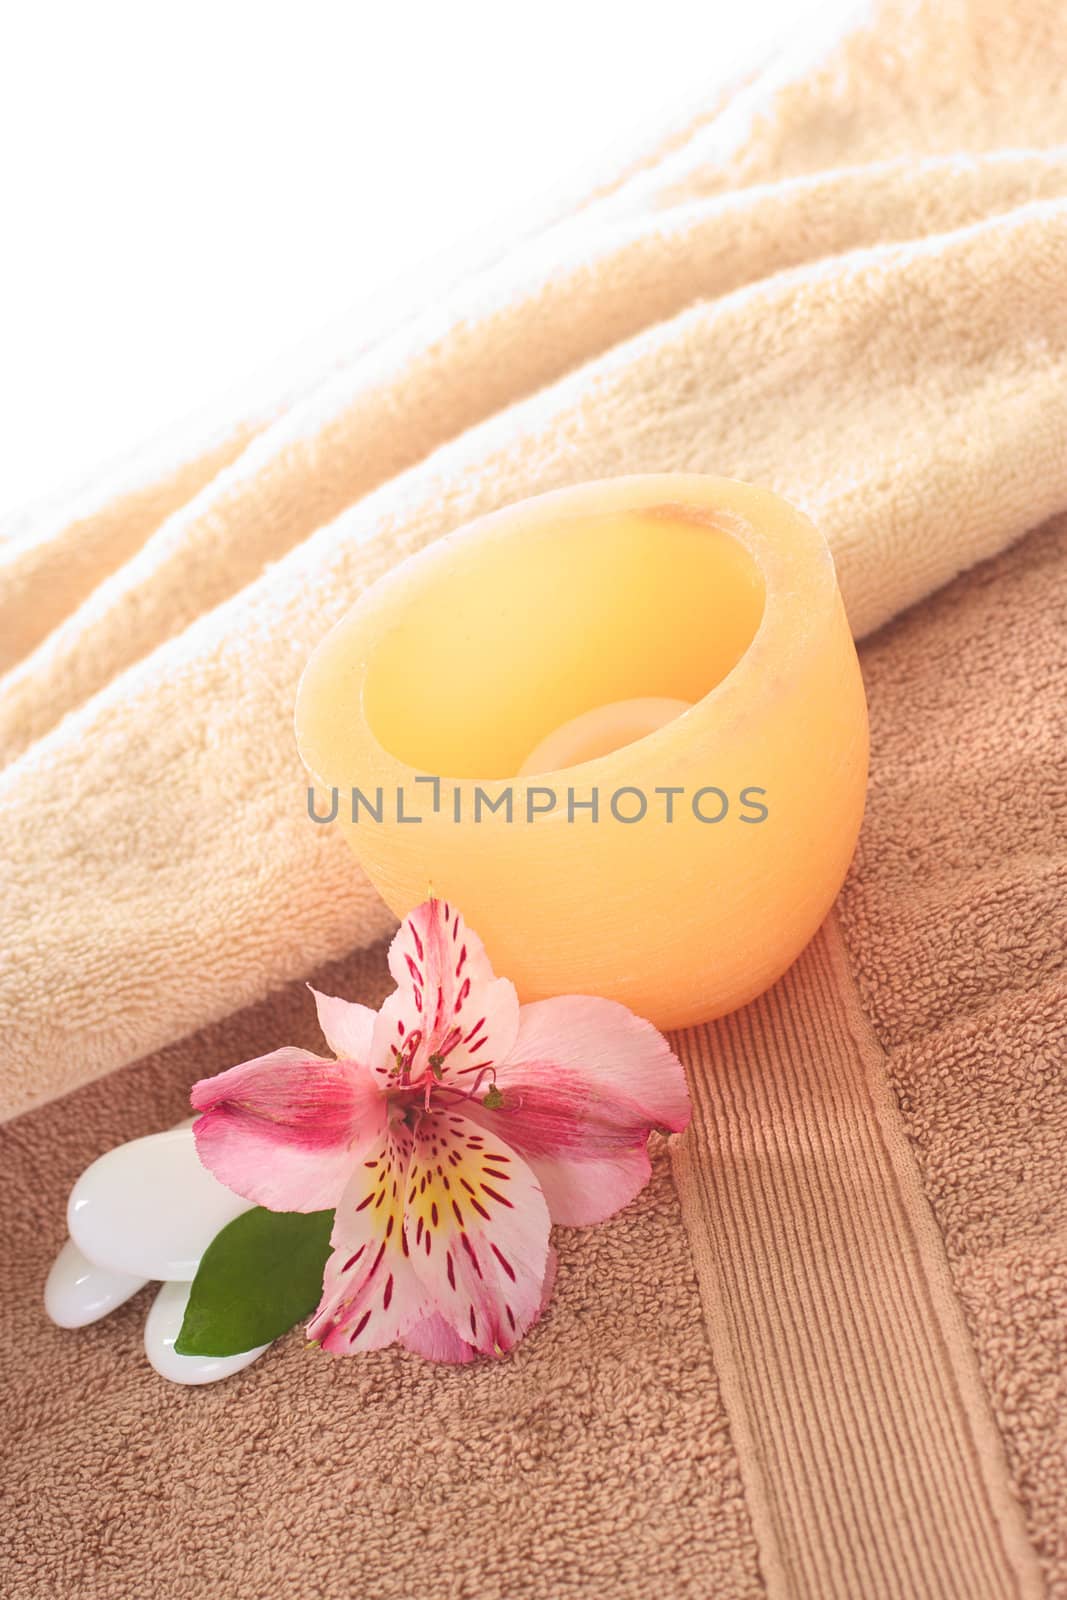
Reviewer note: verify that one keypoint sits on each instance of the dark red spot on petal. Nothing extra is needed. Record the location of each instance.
(363, 1204)
(474, 1322)
(470, 1251)
(451, 1270)
(494, 1196)
(504, 1262)
(353, 1259)
(482, 1212)
(433, 1212)
(388, 1295)
(359, 1327)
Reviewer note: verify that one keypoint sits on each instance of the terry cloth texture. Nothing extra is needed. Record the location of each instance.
(845, 282)
(878, 1208)
(597, 1460)
(955, 916)
(871, 1204)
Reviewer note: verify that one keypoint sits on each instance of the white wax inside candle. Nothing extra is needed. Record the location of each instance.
(600, 731)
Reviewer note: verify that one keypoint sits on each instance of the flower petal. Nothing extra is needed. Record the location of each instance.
(348, 1028)
(581, 1192)
(585, 1084)
(370, 1293)
(476, 1225)
(615, 1053)
(434, 1340)
(447, 1004)
(286, 1129)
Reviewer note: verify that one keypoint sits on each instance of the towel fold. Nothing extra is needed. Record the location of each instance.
(847, 284)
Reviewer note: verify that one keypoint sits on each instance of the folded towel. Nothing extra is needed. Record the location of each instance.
(846, 283)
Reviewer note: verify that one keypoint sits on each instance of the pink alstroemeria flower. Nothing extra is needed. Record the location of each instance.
(452, 1128)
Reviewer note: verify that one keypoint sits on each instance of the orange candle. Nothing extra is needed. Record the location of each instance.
(622, 726)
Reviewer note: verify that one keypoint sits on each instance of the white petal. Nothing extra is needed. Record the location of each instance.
(149, 1209)
(162, 1328)
(348, 1028)
(79, 1292)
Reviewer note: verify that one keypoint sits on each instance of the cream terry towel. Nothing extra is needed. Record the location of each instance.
(848, 282)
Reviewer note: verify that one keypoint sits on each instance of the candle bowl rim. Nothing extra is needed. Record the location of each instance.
(790, 624)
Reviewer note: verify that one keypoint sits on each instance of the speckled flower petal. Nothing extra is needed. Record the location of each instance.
(584, 1086)
(371, 1294)
(286, 1130)
(434, 1340)
(447, 1006)
(477, 1226)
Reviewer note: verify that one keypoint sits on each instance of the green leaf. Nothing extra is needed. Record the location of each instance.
(257, 1277)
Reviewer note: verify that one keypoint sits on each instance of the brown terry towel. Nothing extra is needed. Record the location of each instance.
(627, 1449)
(955, 917)
(847, 284)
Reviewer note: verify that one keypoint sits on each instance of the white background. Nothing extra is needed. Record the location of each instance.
(187, 190)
